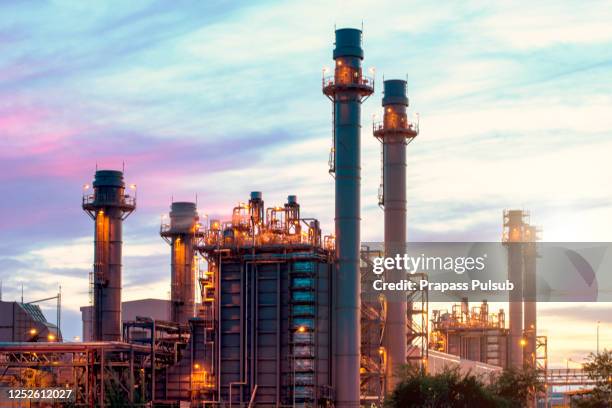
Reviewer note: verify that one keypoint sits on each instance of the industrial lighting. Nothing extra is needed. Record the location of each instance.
(51, 337)
(301, 329)
(523, 342)
(33, 332)
(133, 186)
(196, 366)
(85, 186)
(381, 350)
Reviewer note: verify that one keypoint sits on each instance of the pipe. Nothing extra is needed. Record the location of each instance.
(347, 90)
(395, 133)
(108, 207)
(252, 400)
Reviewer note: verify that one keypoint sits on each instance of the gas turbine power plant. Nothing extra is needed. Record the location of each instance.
(280, 318)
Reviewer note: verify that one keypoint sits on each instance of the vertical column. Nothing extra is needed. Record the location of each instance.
(108, 206)
(180, 234)
(513, 239)
(529, 293)
(346, 90)
(394, 133)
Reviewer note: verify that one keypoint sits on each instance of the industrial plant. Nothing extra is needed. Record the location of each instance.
(265, 308)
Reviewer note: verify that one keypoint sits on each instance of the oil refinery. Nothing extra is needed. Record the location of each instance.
(265, 308)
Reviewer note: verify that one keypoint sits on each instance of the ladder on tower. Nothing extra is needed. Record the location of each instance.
(381, 188)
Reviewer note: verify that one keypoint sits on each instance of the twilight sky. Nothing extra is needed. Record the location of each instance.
(221, 98)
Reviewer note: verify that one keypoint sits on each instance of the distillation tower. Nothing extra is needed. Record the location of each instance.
(347, 89)
(181, 234)
(108, 206)
(395, 132)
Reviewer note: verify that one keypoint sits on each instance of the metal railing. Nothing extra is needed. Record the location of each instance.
(361, 80)
(126, 200)
(403, 124)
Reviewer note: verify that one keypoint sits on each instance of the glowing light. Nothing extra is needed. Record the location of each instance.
(301, 329)
(33, 332)
(85, 186)
(196, 366)
(133, 186)
(523, 342)
(51, 337)
(381, 350)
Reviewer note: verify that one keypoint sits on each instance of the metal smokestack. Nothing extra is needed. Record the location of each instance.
(347, 88)
(513, 238)
(394, 132)
(181, 233)
(529, 292)
(108, 206)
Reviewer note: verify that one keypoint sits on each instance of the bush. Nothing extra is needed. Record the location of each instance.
(447, 389)
(451, 389)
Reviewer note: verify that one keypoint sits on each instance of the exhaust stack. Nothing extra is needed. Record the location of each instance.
(529, 292)
(180, 234)
(347, 89)
(394, 132)
(108, 206)
(513, 238)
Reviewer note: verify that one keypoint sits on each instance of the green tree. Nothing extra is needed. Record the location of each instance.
(516, 387)
(599, 368)
(447, 389)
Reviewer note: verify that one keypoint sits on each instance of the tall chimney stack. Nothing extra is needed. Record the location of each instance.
(181, 233)
(394, 132)
(347, 88)
(513, 239)
(108, 206)
(529, 292)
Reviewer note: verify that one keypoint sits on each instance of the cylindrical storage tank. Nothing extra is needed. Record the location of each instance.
(108, 206)
(183, 226)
